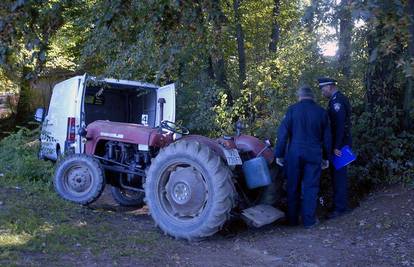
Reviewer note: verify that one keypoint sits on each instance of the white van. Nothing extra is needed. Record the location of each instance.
(80, 100)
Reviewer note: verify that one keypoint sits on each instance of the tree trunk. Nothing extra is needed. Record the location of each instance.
(408, 94)
(216, 18)
(368, 75)
(345, 34)
(274, 37)
(382, 72)
(240, 44)
(23, 106)
(309, 16)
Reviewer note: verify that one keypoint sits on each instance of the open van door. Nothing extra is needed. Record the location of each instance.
(60, 127)
(165, 104)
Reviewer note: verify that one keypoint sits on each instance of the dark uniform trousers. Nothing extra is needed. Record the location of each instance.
(339, 110)
(303, 169)
(306, 130)
(340, 186)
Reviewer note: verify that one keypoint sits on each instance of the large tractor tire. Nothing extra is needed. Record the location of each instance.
(189, 191)
(127, 198)
(79, 178)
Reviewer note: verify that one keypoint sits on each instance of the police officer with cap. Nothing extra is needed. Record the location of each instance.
(339, 111)
(305, 131)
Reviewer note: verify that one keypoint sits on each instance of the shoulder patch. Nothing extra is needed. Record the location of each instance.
(337, 106)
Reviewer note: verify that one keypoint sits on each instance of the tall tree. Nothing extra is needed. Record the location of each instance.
(275, 35)
(345, 35)
(309, 16)
(26, 28)
(218, 64)
(240, 43)
(408, 95)
(385, 43)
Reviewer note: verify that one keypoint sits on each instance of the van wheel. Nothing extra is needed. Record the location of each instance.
(189, 191)
(127, 198)
(79, 178)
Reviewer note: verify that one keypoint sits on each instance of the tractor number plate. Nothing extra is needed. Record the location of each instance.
(232, 156)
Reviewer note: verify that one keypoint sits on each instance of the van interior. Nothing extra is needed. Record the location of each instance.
(120, 103)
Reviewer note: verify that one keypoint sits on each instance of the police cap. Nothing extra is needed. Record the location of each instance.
(325, 81)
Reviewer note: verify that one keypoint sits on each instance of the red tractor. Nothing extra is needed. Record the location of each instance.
(191, 184)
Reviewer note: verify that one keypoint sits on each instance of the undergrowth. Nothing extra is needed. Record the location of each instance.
(18, 157)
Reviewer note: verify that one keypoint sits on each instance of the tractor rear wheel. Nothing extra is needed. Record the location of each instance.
(79, 178)
(189, 191)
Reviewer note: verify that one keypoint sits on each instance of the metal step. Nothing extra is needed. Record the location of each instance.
(262, 214)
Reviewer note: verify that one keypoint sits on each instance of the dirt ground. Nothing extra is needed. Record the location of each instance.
(380, 232)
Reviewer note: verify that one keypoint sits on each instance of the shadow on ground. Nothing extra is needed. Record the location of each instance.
(38, 228)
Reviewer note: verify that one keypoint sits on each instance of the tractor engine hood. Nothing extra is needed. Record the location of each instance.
(125, 132)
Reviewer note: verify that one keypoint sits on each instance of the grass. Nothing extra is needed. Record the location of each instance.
(35, 223)
(38, 227)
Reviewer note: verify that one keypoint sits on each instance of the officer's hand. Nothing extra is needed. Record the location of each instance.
(280, 162)
(325, 164)
(337, 152)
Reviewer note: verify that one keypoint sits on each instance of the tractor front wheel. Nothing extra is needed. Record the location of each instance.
(79, 178)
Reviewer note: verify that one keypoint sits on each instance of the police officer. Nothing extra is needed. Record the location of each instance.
(305, 128)
(339, 111)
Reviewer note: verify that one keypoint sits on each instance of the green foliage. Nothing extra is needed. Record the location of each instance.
(193, 43)
(385, 153)
(385, 37)
(18, 157)
(196, 109)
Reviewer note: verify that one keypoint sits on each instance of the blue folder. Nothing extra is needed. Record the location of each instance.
(346, 158)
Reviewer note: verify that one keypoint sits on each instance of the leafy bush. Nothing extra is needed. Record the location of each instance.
(385, 152)
(18, 157)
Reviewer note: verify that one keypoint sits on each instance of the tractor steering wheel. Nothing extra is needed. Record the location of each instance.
(171, 126)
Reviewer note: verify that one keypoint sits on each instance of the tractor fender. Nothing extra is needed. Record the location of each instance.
(212, 144)
(248, 143)
(245, 143)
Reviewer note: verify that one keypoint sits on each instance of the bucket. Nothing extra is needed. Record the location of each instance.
(256, 173)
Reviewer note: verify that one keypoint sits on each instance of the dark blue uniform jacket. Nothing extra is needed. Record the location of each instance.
(339, 111)
(306, 124)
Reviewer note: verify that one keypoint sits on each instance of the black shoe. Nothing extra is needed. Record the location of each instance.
(316, 223)
(286, 222)
(336, 214)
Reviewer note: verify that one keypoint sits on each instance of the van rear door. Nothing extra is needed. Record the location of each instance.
(64, 111)
(165, 104)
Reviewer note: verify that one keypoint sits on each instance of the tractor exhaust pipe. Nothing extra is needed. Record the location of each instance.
(161, 101)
